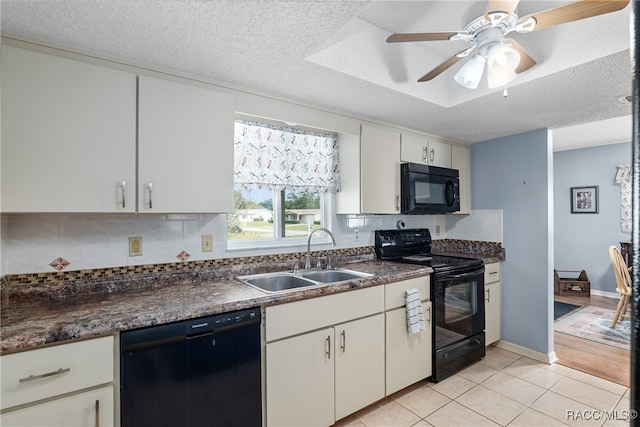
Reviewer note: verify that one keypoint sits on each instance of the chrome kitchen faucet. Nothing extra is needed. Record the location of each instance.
(307, 262)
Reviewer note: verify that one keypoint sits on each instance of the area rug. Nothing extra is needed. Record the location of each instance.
(594, 323)
(562, 308)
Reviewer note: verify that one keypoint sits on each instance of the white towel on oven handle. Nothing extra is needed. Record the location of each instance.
(415, 316)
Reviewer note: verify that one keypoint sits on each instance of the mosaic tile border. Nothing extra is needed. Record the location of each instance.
(35, 279)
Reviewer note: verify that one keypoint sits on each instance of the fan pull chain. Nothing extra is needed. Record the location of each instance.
(505, 93)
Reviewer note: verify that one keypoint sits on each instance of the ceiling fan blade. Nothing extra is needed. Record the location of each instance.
(440, 68)
(421, 37)
(526, 61)
(505, 7)
(571, 12)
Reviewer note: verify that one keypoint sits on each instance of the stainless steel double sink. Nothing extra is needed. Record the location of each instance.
(285, 280)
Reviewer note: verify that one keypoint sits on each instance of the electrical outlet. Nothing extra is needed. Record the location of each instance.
(356, 234)
(437, 230)
(135, 246)
(207, 243)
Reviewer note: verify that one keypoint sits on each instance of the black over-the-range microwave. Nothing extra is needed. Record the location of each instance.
(428, 189)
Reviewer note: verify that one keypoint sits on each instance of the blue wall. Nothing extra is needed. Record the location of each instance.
(582, 240)
(515, 174)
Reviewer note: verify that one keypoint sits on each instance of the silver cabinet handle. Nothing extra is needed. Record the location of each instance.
(123, 184)
(97, 413)
(429, 314)
(48, 374)
(328, 346)
(433, 155)
(343, 343)
(488, 295)
(397, 202)
(150, 187)
(424, 154)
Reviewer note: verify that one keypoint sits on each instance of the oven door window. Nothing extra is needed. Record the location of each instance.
(460, 302)
(459, 305)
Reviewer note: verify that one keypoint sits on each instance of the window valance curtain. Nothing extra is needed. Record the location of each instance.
(280, 158)
(623, 177)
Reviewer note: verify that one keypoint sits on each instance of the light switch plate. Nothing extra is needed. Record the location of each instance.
(207, 243)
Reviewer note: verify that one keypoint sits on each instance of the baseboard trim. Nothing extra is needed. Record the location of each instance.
(600, 293)
(549, 358)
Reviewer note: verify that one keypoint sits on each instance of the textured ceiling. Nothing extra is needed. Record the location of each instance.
(333, 54)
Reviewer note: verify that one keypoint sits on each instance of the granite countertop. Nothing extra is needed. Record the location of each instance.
(34, 322)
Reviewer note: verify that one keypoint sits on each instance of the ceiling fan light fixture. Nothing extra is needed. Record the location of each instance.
(471, 72)
(502, 62)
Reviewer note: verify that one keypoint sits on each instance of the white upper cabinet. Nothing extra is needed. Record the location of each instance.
(185, 151)
(417, 149)
(69, 140)
(379, 170)
(68, 135)
(461, 160)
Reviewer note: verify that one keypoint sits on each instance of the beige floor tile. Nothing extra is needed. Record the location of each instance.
(423, 401)
(349, 422)
(421, 423)
(530, 417)
(498, 358)
(597, 382)
(563, 409)
(557, 368)
(619, 417)
(477, 372)
(586, 393)
(492, 405)
(532, 371)
(453, 386)
(455, 415)
(519, 390)
(389, 414)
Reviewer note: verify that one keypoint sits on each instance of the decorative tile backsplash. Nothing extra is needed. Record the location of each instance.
(52, 243)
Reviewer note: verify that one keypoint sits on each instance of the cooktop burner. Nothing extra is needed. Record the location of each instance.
(413, 246)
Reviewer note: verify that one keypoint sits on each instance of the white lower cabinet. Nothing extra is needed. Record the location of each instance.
(91, 408)
(492, 302)
(408, 356)
(315, 377)
(64, 385)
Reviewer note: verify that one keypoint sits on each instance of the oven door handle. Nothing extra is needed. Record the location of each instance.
(459, 276)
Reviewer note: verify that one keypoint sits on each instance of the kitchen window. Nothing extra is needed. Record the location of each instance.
(283, 180)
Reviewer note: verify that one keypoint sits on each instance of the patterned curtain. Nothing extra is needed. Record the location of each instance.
(279, 158)
(623, 177)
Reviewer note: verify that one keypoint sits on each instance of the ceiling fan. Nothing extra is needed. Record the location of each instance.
(504, 57)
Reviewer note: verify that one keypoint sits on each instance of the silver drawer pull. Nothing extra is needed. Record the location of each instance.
(48, 374)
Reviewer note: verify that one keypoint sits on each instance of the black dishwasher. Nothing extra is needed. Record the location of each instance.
(201, 372)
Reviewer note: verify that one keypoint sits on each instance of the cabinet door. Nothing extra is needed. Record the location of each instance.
(492, 303)
(359, 364)
(408, 356)
(185, 151)
(92, 408)
(414, 149)
(68, 135)
(380, 170)
(300, 380)
(461, 160)
(439, 154)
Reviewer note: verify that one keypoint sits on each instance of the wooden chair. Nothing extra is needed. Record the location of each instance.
(623, 280)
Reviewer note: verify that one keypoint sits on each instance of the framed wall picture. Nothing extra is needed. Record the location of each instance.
(584, 199)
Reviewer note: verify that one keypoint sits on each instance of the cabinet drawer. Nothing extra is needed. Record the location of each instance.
(492, 273)
(46, 372)
(91, 408)
(395, 292)
(315, 313)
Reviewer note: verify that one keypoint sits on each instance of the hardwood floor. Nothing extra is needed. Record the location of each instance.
(601, 360)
